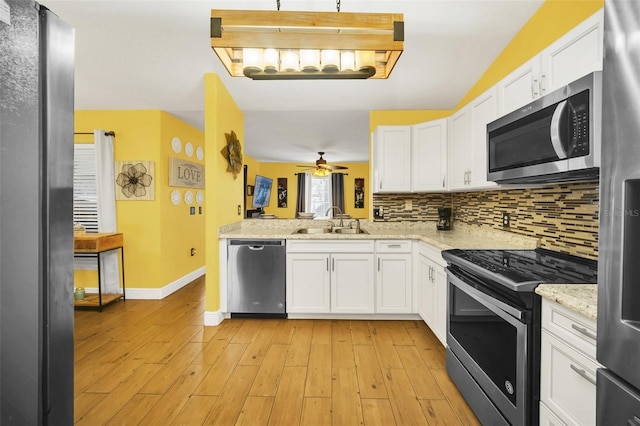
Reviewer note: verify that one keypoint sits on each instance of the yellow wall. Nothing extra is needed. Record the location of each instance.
(154, 255)
(225, 193)
(289, 170)
(180, 230)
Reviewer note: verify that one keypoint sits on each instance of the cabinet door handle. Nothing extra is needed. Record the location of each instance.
(542, 88)
(394, 245)
(583, 374)
(584, 331)
(534, 83)
(327, 263)
(430, 273)
(443, 181)
(333, 264)
(378, 264)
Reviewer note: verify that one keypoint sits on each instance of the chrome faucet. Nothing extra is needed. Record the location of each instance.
(357, 221)
(338, 208)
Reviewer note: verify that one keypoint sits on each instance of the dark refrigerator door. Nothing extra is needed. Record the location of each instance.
(36, 225)
(618, 347)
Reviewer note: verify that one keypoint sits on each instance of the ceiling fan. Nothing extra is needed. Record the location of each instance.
(322, 168)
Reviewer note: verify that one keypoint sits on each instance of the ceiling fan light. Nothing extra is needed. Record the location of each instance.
(310, 60)
(347, 60)
(252, 60)
(271, 59)
(330, 60)
(290, 60)
(320, 172)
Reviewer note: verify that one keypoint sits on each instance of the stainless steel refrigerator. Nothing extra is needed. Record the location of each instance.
(618, 349)
(36, 216)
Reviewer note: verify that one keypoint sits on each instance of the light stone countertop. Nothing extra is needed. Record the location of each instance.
(462, 236)
(580, 298)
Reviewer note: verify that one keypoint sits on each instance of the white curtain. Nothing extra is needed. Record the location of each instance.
(105, 189)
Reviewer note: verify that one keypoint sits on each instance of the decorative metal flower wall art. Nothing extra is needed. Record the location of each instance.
(232, 152)
(135, 179)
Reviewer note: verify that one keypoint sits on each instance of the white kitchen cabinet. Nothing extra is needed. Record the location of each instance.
(567, 365)
(577, 53)
(330, 276)
(432, 289)
(391, 163)
(352, 283)
(459, 142)
(308, 283)
(410, 158)
(520, 87)
(394, 277)
(429, 156)
(468, 143)
(484, 110)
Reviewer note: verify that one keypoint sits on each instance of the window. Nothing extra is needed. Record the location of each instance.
(319, 198)
(85, 197)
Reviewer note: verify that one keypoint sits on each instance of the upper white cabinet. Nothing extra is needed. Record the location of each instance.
(459, 142)
(468, 143)
(429, 156)
(572, 56)
(410, 158)
(520, 87)
(391, 165)
(577, 53)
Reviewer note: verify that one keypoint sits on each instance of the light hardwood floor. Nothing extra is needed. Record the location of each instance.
(152, 362)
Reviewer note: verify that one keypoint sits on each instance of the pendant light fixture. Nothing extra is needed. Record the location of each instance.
(279, 45)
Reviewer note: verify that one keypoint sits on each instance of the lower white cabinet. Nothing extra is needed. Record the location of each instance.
(431, 279)
(394, 277)
(567, 367)
(338, 279)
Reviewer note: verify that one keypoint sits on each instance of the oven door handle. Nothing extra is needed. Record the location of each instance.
(484, 298)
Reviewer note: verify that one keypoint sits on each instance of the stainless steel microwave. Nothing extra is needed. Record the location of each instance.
(553, 139)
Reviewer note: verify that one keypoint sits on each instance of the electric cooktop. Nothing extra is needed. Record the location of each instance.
(523, 270)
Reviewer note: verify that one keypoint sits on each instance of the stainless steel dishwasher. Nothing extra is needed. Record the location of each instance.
(256, 278)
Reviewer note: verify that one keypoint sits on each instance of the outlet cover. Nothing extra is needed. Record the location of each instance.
(408, 205)
(506, 220)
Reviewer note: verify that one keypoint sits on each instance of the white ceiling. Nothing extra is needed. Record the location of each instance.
(143, 54)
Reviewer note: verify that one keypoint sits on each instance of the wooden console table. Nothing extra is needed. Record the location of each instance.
(95, 244)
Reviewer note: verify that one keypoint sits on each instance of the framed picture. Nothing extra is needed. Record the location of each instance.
(250, 190)
(282, 192)
(359, 193)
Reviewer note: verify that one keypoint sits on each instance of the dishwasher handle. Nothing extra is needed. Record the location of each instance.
(256, 243)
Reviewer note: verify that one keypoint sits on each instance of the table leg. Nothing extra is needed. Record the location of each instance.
(99, 285)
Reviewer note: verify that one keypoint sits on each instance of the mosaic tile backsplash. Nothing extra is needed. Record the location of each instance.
(564, 217)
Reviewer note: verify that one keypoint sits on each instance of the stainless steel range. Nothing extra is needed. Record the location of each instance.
(493, 326)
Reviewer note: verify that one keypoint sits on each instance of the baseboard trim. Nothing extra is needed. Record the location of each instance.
(213, 318)
(159, 293)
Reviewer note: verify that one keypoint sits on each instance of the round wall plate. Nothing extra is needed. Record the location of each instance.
(176, 145)
(199, 153)
(188, 197)
(176, 197)
(199, 197)
(188, 149)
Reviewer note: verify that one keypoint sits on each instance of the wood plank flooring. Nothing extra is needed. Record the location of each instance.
(152, 362)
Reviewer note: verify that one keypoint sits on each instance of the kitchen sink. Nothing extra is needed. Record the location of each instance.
(329, 231)
(313, 231)
(349, 231)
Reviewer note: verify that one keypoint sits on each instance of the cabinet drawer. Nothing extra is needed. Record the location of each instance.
(393, 246)
(567, 381)
(329, 246)
(573, 328)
